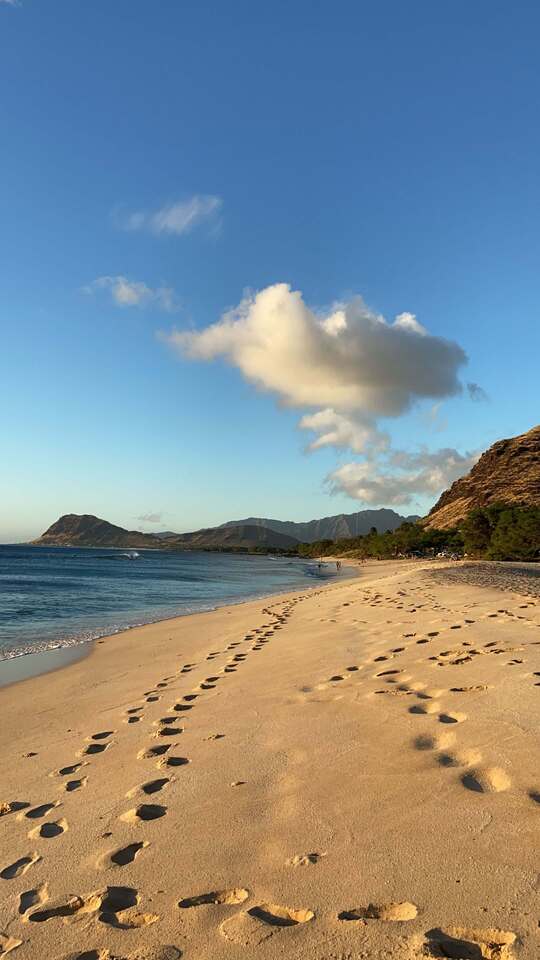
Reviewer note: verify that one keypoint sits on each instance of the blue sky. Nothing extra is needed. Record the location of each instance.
(162, 159)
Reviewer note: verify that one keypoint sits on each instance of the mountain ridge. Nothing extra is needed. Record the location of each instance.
(337, 527)
(507, 472)
(87, 530)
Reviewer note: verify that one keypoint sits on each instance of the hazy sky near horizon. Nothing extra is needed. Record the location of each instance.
(262, 259)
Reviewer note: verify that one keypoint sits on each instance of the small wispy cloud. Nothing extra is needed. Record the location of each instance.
(352, 432)
(476, 392)
(12, 3)
(134, 293)
(150, 517)
(404, 477)
(177, 218)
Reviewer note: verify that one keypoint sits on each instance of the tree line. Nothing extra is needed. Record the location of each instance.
(495, 532)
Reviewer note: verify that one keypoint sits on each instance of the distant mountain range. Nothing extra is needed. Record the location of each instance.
(509, 472)
(85, 530)
(330, 528)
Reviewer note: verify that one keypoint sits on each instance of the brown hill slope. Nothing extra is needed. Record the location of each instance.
(73, 530)
(509, 472)
(242, 535)
(85, 530)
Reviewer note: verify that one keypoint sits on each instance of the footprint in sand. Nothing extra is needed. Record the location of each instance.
(37, 812)
(115, 906)
(19, 867)
(125, 855)
(230, 897)
(460, 758)
(102, 735)
(173, 762)
(169, 732)
(304, 859)
(71, 785)
(389, 912)
(8, 943)
(68, 771)
(468, 944)
(454, 717)
(152, 752)
(94, 748)
(436, 742)
(245, 931)
(486, 780)
(144, 812)
(32, 898)
(277, 916)
(152, 786)
(167, 952)
(49, 830)
(428, 708)
(13, 806)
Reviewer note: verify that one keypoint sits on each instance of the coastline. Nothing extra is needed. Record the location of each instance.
(284, 776)
(38, 663)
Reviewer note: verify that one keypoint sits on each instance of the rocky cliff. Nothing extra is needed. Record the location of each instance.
(509, 472)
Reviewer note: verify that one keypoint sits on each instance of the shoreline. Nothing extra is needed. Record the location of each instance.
(12, 669)
(42, 662)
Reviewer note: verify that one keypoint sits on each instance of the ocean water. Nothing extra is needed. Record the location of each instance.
(53, 597)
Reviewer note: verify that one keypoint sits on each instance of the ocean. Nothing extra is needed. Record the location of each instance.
(58, 597)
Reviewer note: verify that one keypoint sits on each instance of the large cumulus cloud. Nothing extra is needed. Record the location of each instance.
(345, 368)
(350, 359)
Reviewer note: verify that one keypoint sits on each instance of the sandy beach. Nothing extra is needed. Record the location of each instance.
(346, 773)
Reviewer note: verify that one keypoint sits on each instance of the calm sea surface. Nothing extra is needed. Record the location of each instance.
(54, 597)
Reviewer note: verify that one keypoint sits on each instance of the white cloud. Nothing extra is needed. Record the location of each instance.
(150, 518)
(418, 475)
(351, 360)
(348, 369)
(134, 293)
(176, 218)
(337, 430)
(12, 3)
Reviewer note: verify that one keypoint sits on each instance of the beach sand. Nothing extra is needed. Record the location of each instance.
(347, 773)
